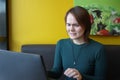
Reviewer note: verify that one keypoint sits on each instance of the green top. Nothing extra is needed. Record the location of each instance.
(88, 58)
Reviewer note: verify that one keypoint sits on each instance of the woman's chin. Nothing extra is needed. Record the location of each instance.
(73, 38)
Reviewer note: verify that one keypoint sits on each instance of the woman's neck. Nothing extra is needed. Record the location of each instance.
(79, 41)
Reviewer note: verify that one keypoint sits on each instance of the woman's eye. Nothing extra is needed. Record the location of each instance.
(68, 24)
(74, 25)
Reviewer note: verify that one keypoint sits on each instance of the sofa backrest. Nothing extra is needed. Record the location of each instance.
(113, 64)
(48, 51)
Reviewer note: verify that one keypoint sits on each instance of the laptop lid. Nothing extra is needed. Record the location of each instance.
(21, 66)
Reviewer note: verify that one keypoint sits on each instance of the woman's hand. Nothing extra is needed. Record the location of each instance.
(71, 72)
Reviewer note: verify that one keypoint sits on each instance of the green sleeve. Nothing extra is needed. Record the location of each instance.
(100, 66)
(57, 69)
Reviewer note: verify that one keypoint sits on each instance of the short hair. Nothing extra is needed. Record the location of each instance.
(83, 18)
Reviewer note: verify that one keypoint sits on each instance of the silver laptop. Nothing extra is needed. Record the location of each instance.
(21, 66)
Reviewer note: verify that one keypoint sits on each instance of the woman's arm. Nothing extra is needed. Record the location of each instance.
(57, 69)
(100, 66)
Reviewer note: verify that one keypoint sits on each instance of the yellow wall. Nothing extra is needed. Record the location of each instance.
(37, 21)
(41, 22)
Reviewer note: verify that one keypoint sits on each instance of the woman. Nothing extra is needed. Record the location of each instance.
(78, 57)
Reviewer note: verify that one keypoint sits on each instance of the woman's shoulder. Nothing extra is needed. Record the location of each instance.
(64, 40)
(95, 43)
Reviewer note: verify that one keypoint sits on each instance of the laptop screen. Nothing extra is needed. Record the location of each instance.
(21, 66)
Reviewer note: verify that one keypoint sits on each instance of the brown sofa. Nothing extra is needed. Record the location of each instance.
(48, 50)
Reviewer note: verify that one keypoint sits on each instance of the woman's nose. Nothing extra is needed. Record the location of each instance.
(71, 27)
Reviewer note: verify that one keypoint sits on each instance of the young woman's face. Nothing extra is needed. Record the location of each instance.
(74, 30)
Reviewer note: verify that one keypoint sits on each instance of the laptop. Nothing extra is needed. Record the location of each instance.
(21, 66)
